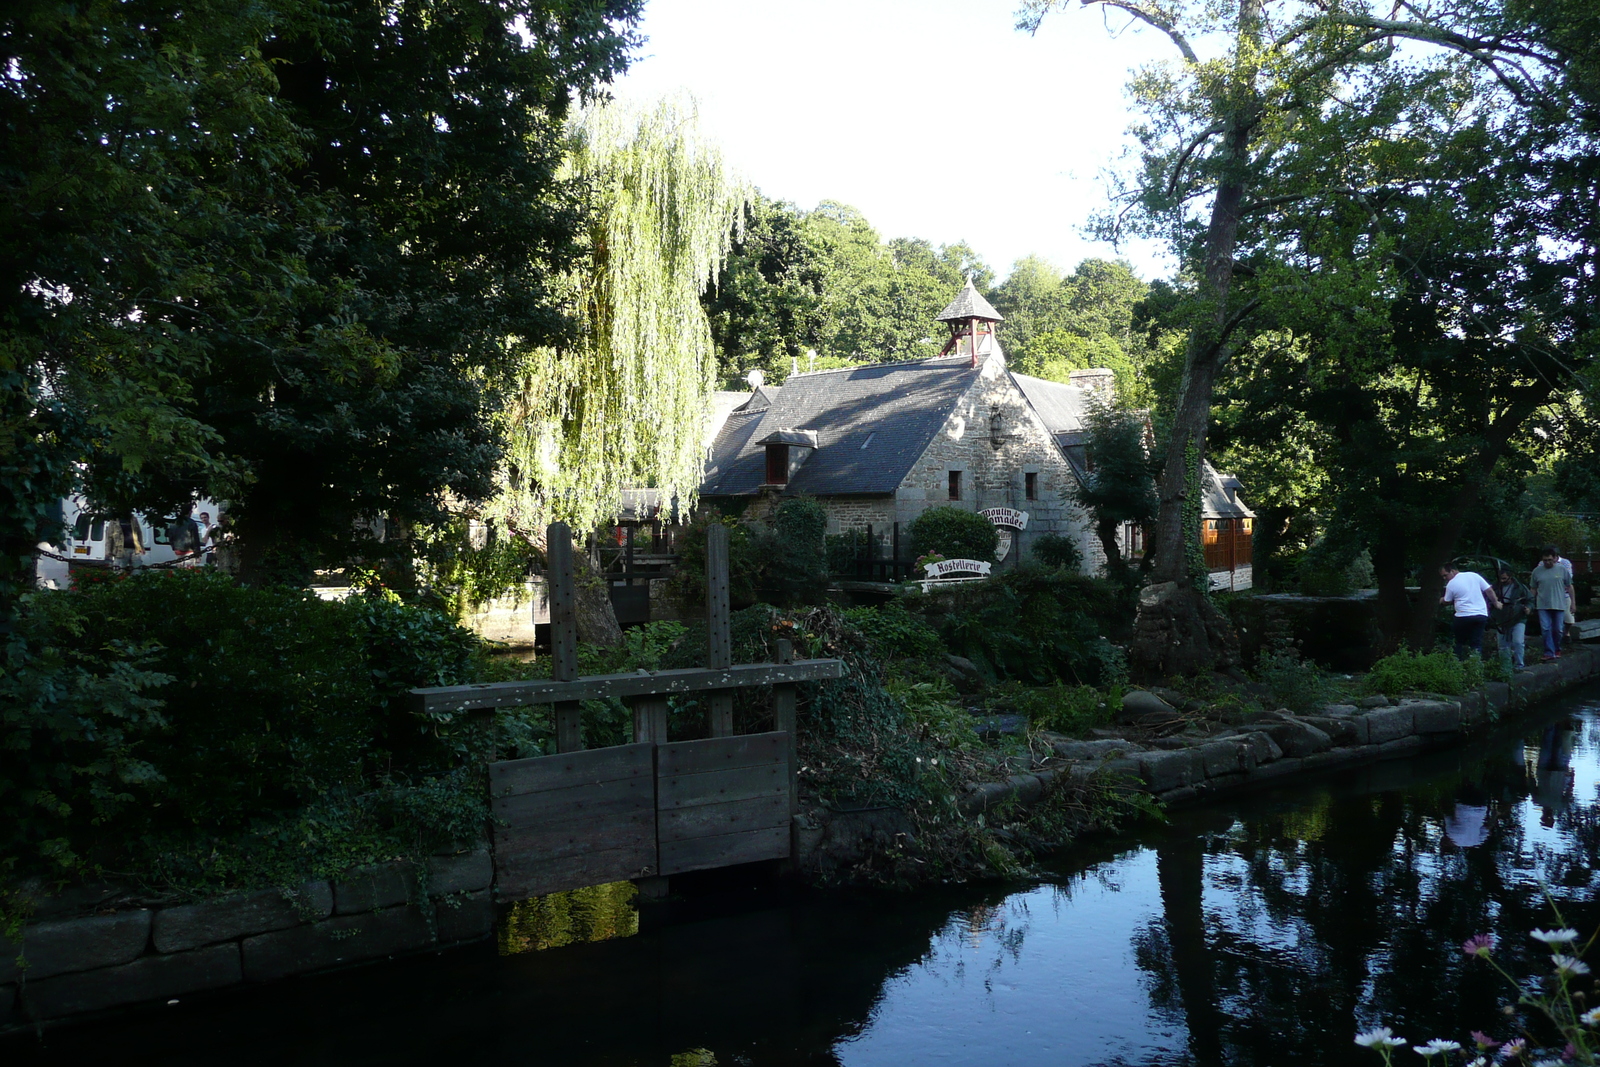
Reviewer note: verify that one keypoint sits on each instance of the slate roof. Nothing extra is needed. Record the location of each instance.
(1216, 504)
(872, 423)
(1063, 408)
(970, 304)
(723, 401)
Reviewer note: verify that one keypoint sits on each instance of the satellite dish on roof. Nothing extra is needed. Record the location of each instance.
(755, 378)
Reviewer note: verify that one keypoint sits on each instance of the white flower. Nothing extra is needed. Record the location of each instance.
(1554, 937)
(1479, 1062)
(1436, 1046)
(1381, 1037)
(1568, 965)
(1589, 1018)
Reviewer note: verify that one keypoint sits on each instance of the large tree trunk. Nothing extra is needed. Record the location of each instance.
(597, 619)
(1179, 631)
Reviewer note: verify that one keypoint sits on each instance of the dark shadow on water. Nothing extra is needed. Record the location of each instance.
(1264, 932)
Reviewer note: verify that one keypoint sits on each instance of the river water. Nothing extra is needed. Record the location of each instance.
(1266, 931)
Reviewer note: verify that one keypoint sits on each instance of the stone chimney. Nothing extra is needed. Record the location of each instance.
(1100, 381)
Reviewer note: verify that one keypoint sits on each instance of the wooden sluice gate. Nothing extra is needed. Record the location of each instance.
(653, 808)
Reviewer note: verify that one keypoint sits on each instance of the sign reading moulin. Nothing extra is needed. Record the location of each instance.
(1008, 522)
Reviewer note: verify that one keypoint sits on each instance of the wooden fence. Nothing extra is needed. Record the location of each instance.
(652, 808)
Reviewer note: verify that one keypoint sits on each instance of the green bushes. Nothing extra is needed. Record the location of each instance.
(785, 563)
(1054, 550)
(1067, 709)
(1035, 625)
(1294, 682)
(1431, 672)
(893, 633)
(179, 703)
(954, 534)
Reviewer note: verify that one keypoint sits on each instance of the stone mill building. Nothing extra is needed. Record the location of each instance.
(881, 443)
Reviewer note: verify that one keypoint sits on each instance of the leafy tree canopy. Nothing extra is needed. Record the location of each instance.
(268, 251)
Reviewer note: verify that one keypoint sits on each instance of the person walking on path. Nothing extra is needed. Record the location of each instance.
(1511, 619)
(1572, 614)
(1551, 589)
(1472, 597)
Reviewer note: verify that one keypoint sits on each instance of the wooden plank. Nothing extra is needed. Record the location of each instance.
(725, 849)
(621, 686)
(589, 800)
(720, 753)
(715, 820)
(719, 639)
(785, 711)
(650, 720)
(636, 830)
(539, 773)
(530, 877)
(716, 787)
(564, 633)
(563, 602)
(569, 726)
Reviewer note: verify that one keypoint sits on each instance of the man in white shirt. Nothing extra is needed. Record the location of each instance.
(1472, 597)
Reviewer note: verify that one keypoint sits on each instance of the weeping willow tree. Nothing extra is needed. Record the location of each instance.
(625, 404)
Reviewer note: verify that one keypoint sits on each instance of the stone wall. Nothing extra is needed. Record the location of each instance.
(995, 439)
(68, 966)
(1274, 747)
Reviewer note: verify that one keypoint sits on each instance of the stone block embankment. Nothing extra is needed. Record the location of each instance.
(1278, 746)
(75, 965)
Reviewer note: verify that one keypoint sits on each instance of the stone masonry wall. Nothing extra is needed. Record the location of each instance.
(994, 459)
(75, 965)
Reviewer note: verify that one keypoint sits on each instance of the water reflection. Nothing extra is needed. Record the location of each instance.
(578, 916)
(1266, 933)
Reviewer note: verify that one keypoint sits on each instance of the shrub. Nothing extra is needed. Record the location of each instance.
(954, 534)
(1433, 672)
(934, 711)
(1054, 550)
(1067, 709)
(1033, 625)
(1295, 683)
(178, 701)
(893, 633)
(797, 570)
(844, 549)
(745, 564)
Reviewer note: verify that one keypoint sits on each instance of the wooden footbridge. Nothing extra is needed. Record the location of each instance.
(653, 808)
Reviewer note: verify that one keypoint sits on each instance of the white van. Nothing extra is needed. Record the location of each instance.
(87, 539)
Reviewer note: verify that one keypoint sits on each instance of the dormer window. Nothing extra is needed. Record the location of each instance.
(786, 451)
(777, 465)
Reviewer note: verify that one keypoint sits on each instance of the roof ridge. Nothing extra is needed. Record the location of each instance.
(884, 363)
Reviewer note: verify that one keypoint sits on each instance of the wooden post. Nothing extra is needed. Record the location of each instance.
(650, 719)
(785, 717)
(784, 707)
(719, 636)
(564, 633)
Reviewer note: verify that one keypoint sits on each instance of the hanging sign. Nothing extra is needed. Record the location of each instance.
(946, 568)
(1009, 518)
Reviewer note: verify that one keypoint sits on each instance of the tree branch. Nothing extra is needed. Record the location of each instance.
(1154, 19)
(1183, 157)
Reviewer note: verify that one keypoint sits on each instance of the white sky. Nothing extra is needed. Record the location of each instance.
(936, 118)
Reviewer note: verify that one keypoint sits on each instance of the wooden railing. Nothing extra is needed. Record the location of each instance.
(651, 808)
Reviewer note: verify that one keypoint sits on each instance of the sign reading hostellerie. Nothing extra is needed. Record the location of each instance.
(1007, 517)
(950, 568)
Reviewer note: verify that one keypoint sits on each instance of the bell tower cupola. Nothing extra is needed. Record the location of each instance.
(972, 322)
